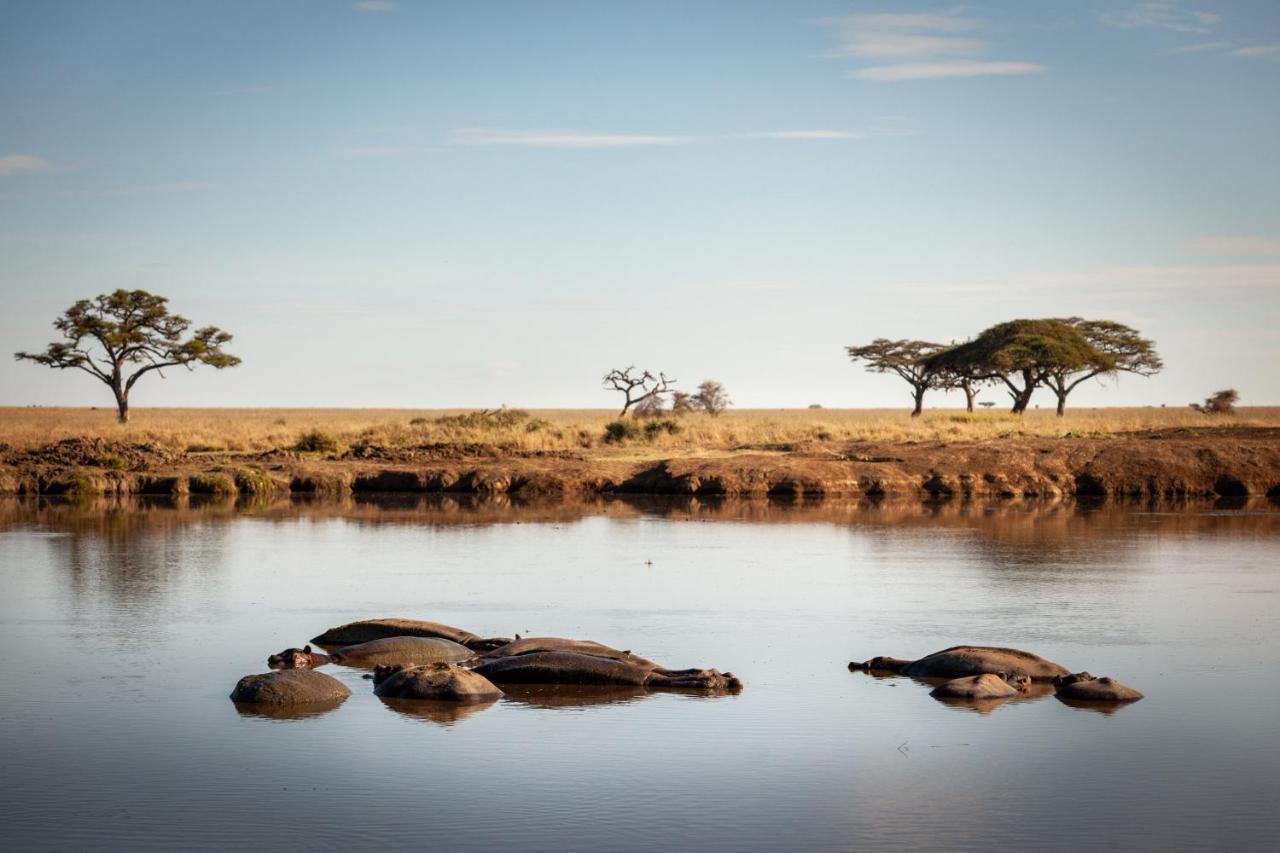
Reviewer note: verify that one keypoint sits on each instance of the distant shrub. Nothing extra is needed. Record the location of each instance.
(616, 432)
(815, 405)
(712, 398)
(1221, 403)
(502, 418)
(419, 421)
(649, 407)
(682, 403)
(316, 441)
(537, 424)
(656, 427)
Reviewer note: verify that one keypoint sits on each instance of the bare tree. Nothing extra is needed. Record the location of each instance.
(636, 389)
(682, 403)
(129, 327)
(712, 398)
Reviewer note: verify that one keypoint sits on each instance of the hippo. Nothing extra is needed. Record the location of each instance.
(302, 658)
(968, 660)
(985, 686)
(377, 629)
(405, 650)
(563, 667)
(531, 645)
(1088, 689)
(289, 687)
(437, 681)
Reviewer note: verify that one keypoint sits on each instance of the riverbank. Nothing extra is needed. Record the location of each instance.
(1177, 462)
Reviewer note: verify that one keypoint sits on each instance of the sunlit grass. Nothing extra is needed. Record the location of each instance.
(255, 430)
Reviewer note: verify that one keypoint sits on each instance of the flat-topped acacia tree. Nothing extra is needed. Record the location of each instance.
(908, 359)
(114, 332)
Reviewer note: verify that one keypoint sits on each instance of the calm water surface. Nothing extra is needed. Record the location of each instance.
(124, 629)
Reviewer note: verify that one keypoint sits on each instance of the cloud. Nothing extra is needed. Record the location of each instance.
(936, 70)
(1236, 246)
(1201, 47)
(375, 6)
(918, 46)
(1164, 14)
(561, 138)
(1260, 51)
(16, 164)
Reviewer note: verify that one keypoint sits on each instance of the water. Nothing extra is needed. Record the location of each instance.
(124, 628)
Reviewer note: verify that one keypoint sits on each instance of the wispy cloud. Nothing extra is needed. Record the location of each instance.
(561, 138)
(1163, 14)
(917, 47)
(1200, 47)
(16, 164)
(1237, 246)
(1259, 51)
(375, 6)
(936, 70)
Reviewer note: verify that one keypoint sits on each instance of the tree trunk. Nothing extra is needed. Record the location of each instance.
(969, 394)
(919, 397)
(122, 404)
(1062, 404)
(1022, 396)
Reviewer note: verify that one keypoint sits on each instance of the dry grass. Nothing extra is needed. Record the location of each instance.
(249, 430)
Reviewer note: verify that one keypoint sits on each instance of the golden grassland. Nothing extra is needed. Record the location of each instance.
(579, 430)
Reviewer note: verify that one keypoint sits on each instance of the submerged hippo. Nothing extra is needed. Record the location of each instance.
(302, 658)
(1075, 688)
(531, 645)
(968, 660)
(985, 686)
(405, 650)
(564, 667)
(436, 681)
(289, 687)
(377, 629)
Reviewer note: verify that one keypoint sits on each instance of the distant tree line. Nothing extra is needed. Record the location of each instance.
(1020, 356)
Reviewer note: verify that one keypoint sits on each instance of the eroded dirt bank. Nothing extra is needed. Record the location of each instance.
(1184, 463)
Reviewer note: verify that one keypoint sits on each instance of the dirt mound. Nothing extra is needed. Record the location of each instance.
(93, 453)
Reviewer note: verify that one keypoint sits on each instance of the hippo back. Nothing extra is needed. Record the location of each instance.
(376, 629)
(562, 668)
(532, 645)
(289, 687)
(977, 660)
(405, 650)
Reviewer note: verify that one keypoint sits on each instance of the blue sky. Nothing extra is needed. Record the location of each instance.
(437, 204)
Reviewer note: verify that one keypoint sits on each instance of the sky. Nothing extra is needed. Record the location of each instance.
(430, 204)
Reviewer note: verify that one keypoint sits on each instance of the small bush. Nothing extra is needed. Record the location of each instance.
(419, 422)
(503, 418)
(616, 432)
(537, 424)
(316, 441)
(657, 426)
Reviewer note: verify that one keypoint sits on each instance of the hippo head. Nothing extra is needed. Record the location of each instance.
(302, 658)
(1074, 678)
(384, 671)
(1017, 680)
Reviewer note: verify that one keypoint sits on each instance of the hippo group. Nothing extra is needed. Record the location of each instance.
(431, 662)
(988, 675)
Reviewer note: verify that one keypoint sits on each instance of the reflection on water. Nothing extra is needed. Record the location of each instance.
(125, 623)
(308, 711)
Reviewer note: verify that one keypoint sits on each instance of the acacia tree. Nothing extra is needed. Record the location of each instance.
(1022, 354)
(1122, 350)
(712, 398)
(1221, 403)
(636, 389)
(905, 358)
(107, 335)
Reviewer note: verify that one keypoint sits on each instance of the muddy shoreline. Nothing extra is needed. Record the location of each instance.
(1182, 463)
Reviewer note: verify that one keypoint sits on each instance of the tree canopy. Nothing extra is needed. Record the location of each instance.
(908, 359)
(110, 333)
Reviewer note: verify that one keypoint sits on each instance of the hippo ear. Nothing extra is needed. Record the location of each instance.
(307, 648)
